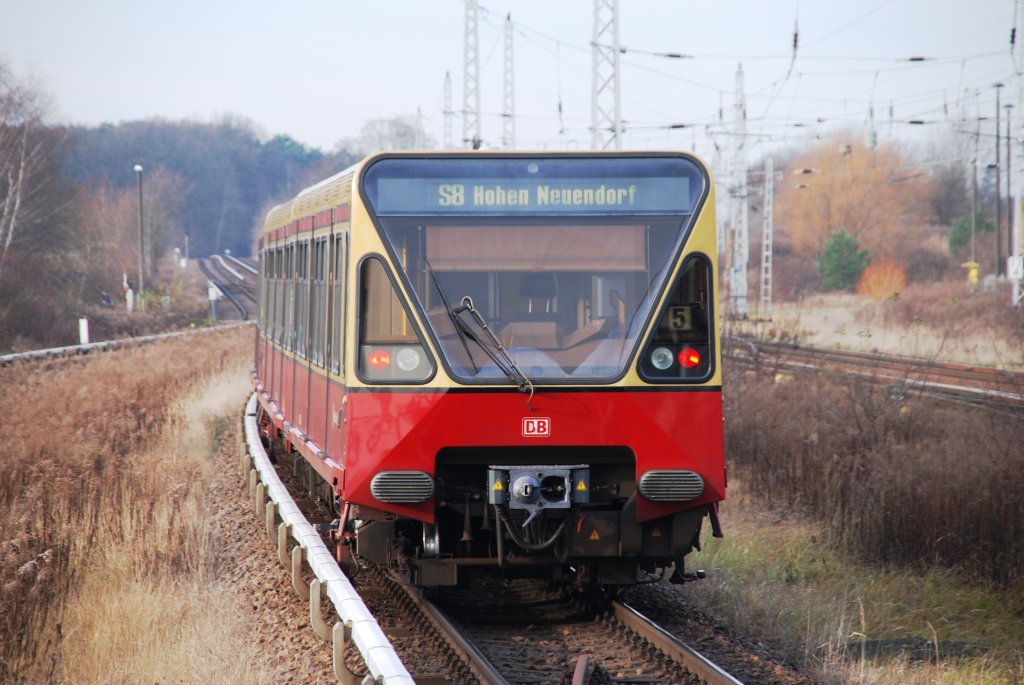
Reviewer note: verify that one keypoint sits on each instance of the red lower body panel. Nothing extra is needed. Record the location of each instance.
(406, 430)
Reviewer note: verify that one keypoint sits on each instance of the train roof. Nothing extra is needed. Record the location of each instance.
(326, 194)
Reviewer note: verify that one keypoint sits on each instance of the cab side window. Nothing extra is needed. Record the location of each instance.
(680, 347)
(389, 347)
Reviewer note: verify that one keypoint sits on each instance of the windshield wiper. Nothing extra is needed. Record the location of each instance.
(510, 368)
(460, 327)
(506, 362)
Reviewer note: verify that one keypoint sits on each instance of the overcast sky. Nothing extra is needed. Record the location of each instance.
(317, 70)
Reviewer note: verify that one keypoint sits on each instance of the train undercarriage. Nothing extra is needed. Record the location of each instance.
(565, 514)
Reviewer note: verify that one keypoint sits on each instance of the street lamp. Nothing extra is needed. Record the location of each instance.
(1009, 193)
(142, 235)
(999, 204)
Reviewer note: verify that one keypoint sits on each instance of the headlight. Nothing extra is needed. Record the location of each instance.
(407, 359)
(661, 358)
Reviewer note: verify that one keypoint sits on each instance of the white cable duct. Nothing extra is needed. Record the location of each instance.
(71, 350)
(375, 648)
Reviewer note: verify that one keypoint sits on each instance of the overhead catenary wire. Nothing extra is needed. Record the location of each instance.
(925, 107)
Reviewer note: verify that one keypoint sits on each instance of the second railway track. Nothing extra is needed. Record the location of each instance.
(999, 388)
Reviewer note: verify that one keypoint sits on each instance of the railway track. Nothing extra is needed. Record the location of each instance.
(495, 631)
(236, 275)
(998, 388)
(230, 282)
(530, 632)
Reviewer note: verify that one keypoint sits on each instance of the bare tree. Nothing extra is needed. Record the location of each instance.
(26, 148)
(388, 133)
(951, 199)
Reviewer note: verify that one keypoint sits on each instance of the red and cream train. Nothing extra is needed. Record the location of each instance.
(500, 360)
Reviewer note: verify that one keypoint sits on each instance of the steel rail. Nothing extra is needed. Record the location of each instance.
(700, 667)
(582, 673)
(693, 661)
(911, 365)
(474, 659)
(976, 384)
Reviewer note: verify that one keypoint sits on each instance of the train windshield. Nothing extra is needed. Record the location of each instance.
(562, 258)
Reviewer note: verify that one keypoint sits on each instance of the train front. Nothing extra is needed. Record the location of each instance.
(539, 385)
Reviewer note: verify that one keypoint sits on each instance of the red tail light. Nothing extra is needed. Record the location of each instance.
(689, 358)
(380, 359)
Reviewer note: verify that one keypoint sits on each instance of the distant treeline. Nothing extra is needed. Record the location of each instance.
(69, 205)
(228, 176)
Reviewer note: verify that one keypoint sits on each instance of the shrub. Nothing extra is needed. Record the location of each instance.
(960, 232)
(926, 265)
(841, 262)
(882, 279)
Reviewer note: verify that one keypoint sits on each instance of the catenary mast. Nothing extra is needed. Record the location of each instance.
(605, 107)
(740, 229)
(471, 81)
(508, 137)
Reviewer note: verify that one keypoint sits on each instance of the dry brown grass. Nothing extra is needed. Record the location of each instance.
(860, 521)
(950, 310)
(940, 321)
(104, 547)
(899, 480)
(848, 621)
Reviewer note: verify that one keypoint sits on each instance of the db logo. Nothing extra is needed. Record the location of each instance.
(536, 427)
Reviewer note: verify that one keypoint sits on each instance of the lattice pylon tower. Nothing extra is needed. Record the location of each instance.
(740, 215)
(449, 113)
(1016, 246)
(605, 102)
(765, 307)
(508, 113)
(471, 134)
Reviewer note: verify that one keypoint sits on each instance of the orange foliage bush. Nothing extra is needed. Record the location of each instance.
(881, 279)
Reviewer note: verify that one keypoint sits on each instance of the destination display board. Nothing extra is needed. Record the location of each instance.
(404, 189)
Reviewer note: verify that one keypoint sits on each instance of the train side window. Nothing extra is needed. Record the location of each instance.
(263, 287)
(279, 286)
(390, 349)
(260, 289)
(680, 347)
(318, 301)
(270, 284)
(336, 315)
(301, 298)
(274, 286)
(288, 333)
